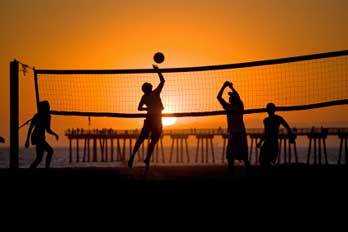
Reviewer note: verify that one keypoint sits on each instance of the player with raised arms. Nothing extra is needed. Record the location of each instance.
(151, 103)
(237, 146)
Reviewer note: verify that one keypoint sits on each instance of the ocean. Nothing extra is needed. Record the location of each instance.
(61, 157)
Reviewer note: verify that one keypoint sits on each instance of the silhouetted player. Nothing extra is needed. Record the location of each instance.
(269, 149)
(237, 146)
(41, 123)
(153, 121)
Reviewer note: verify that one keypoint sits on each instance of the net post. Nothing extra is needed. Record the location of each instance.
(37, 98)
(14, 113)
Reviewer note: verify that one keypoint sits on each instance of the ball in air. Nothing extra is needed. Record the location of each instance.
(158, 57)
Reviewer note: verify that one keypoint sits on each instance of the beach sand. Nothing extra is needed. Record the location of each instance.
(179, 193)
(182, 179)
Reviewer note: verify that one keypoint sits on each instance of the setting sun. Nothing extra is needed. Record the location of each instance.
(168, 121)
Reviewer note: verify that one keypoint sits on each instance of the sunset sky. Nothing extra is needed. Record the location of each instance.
(112, 34)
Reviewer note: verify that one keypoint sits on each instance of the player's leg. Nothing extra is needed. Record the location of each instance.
(230, 166)
(49, 150)
(135, 150)
(274, 152)
(267, 151)
(155, 136)
(244, 150)
(144, 134)
(39, 155)
(229, 157)
(262, 156)
(246, 163)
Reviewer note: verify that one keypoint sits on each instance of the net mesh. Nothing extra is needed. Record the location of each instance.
(286, 84)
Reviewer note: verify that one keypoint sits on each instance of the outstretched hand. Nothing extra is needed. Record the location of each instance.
(155, 67)
(228, 84)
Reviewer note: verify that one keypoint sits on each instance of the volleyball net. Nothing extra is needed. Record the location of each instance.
(294, 83)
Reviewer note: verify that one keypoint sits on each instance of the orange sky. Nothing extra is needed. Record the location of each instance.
(115, 34)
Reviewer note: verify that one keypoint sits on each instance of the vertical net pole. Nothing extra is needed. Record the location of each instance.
(37, 97)
(14, 113)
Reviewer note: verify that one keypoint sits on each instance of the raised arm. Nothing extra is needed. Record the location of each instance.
(234, 90)
(162, 80)
(223, 103)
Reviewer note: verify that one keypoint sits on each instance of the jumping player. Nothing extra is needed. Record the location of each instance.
(152, 103)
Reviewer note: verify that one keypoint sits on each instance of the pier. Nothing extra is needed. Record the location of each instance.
(198, 146)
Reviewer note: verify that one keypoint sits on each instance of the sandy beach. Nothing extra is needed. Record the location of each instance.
(182, 179)
(180, 193)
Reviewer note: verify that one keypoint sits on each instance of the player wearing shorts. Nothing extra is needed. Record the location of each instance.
(152, 103)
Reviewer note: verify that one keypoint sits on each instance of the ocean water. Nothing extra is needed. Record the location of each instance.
(61, 157)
